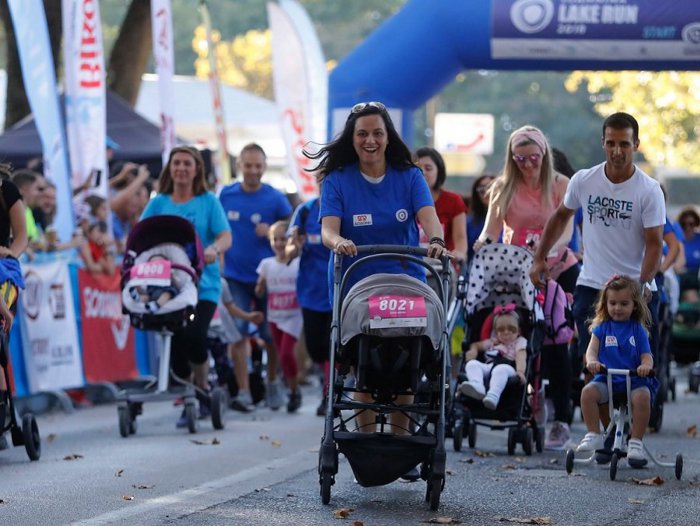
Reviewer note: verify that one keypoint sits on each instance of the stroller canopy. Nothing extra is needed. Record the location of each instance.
(355, 313)
(500, 274)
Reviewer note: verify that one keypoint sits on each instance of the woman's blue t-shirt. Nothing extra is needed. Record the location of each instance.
(312, 292)
(206, 214)
(381, 213)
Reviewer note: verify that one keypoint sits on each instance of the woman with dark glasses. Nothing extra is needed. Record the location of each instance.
(523, 197)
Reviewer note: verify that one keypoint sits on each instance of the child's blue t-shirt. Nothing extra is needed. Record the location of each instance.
(207, 216)
(312, 292)
(670, 226)
(381, 213)
(622, 344)
(244, 210)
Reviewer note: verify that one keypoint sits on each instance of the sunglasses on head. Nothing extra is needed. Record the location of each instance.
(534, 158)
(361, 106)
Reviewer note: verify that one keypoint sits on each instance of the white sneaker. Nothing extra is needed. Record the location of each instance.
(472, 390)
(558, 437)
(635, 453)
(590, 442)
(491, 401)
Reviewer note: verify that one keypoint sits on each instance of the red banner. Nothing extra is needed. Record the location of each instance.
(108, 339)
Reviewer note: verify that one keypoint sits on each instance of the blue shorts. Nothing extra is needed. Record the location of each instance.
(244, 297)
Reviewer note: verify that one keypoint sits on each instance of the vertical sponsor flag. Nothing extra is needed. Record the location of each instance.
(292, 93)
(315, 68)
(163, 53)
(35, 57)
(49, 333)
(108, 339)
(224, 167)
(85, 96)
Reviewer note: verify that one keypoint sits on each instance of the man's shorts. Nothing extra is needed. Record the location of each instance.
(244, 297)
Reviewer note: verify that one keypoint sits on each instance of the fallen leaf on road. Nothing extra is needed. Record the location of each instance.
(358, 523)
(635, 501)
(50, 437)
(2, 501)
(258, 490)
(74, 456)
(482, 454)
(693, 431)
(467, 460)
(143, 486)
(519, 459)
(128, 497)
(264, 437)
(450, 472)
(554, 461)
(276, 443)
(508, 466)
(656, 481)
(213, 442)
(342, 513)
(119, 473)
(443, 520)
(526, 520)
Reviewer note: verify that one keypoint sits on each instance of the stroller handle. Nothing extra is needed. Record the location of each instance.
(398, 249)
(621, 372)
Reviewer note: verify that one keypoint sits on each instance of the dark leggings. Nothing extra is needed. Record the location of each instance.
(556, 362)
(317, 331)
(189, 345)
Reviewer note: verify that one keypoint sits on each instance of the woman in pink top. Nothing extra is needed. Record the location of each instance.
(523, 198)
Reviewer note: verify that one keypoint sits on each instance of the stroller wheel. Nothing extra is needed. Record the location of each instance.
(569, 461)
(613, 466)
(657, 416)
(527, 440)
(191, 416)
(511, 440)
(217, 405)
(679, 466)
(124, 420)
(472, 434)
(326, 483)
(32, 440)
(434, 489)
(457, 435)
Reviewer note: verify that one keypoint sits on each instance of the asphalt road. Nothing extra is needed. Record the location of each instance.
(261, 470)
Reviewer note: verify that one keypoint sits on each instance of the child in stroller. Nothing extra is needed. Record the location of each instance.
(505, 354)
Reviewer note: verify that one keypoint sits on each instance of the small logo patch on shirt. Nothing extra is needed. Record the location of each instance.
(632, 342)
(401, 215)
(233, 215)
(610, 341)
(313, 239)
(362, 220)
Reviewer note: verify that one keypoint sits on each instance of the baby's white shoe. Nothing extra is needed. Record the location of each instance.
(472, 390)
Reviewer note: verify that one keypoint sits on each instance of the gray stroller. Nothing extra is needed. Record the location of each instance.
(390, 331)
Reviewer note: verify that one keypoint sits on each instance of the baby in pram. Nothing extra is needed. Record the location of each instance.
(159, 281)
(505, 355)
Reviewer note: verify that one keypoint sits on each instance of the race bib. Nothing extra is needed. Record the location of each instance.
(281, 301)
(152, 273)
(397, 311)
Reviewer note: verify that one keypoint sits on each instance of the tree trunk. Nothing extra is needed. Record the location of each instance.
(131, 52)
(17, 104)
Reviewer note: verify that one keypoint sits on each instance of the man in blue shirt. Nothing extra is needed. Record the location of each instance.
(251, 207)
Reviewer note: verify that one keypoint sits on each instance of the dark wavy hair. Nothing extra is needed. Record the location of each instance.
(477, 208)
(340, 152)
(199, 184)
(427, 151)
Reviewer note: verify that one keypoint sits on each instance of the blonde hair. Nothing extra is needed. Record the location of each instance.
(504, 186)
(284, 225)
(640, 312)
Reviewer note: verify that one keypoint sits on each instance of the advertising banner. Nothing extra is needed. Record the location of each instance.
(611, 30)
(108, 338)
(164, 55)
(85, 96)
(35, 57)
(49, 334)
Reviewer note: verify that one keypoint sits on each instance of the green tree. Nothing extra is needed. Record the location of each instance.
(666, 104)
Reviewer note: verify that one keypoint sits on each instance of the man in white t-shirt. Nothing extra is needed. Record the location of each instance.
(623, 218)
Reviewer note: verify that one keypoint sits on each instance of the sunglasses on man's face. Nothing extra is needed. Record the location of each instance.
(361, 106)
(534, 158)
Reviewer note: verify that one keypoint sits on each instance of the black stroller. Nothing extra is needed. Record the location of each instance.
(390, 329)
(498, 275)
(25, 432)
(176, 239)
